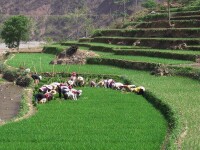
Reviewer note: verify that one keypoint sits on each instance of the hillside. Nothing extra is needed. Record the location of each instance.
(65, 19)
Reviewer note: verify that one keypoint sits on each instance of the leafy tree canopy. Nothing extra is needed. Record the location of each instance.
(15, 29)
(149, 4)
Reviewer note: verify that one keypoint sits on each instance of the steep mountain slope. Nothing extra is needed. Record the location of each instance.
(64, 19)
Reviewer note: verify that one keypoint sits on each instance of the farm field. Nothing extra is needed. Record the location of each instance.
(177, 92)
(165, 61)
(100, 119)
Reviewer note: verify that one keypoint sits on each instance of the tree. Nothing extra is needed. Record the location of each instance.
(123, 2)
(168, 8)
(150, 4)
(169, 13)
(16, 29)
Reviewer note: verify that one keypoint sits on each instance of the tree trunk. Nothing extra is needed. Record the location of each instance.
(124, 16)
(168, 3)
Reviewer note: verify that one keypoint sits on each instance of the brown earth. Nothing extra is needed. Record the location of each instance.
(78, 58)
(10, 98)
(28, 50)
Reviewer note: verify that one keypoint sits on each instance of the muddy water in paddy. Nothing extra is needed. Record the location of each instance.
(10, 98)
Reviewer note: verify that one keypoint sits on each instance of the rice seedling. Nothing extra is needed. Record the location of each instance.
(100, 119)
(180, 93)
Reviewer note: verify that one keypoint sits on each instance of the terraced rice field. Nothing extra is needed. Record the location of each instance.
(175, 91)
(100, 119)
(117, 111)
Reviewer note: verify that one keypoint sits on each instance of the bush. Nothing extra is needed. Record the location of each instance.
(23, 81)
(195, 3)
(2, 67)
(6, 54)
(10, 75)
(72, 50)
(150, 4)
(97, 33)
(53, 49)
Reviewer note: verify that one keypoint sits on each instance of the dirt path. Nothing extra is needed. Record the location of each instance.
(32, 109)
(10, 98)
(11, 95)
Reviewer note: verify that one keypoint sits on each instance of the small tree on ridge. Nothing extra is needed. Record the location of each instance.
(15, 29)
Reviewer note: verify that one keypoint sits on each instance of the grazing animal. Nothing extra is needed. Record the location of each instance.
(136, 43)
(180, 46)
(120, 43)
(109, 42)
(172, 25)
(153, 12)
(183, 45)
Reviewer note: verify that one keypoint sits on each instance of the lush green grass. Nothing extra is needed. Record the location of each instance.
(105, 45)
(100, 119)
(38, 61)
(54, 48)
(41, 62)
(181, 94)
(143, 58)
(140, 38)
(166, 51)
(183, 9)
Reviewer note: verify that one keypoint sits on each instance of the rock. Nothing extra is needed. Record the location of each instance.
(53, 62)
(59, 61)
(77, 58)
(62, 55)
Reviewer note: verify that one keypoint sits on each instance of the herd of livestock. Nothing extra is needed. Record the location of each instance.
(67, 90)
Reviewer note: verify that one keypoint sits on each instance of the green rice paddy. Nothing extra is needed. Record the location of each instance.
(100, 119)
(181, 94)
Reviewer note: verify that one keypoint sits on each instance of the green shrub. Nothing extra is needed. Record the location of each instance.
(2, 67)
(6, 54)
(195, 3)
(23, 81)
(53, 49)
(150, 4)
(10, 75)
(97, 33)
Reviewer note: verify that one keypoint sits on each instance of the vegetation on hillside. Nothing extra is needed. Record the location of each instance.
(15, 30)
